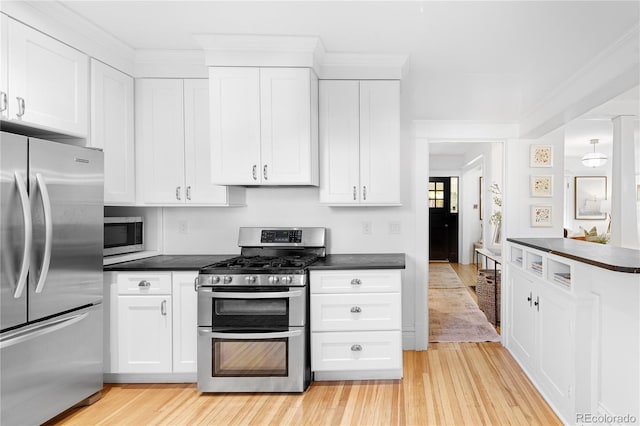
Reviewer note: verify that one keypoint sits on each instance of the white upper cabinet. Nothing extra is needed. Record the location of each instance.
(360, 142)
(46, 81)
(4, 69)
(264, 126)
(112, 130)
(173, 150)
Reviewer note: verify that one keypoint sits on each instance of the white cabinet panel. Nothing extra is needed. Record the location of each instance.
(112, 130)
(144, 334)
(522, 320)
(264, 126)
(144, 282)
(356, 351)
(185, 334)
(356, 312)
(360, 142)
(47, 82)
(356, 281)
(235, 125)
(4, 67)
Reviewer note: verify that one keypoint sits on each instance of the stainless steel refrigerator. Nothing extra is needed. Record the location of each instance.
(51, 242)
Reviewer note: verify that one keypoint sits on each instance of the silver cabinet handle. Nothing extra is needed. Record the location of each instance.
(21, 106)
(264, 172)
(189, 192)
(354, 193)
(177, 193)
(364, 193)
(254, 172)
(28, 228)
(4, 102)
(48, 232)
(356, 309)
(144, 284)
(356, 281)
(163, 308)
(356, 348)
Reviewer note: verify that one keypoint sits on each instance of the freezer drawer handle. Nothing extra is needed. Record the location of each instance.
(28, 228)
(25, 335)
(48, 232)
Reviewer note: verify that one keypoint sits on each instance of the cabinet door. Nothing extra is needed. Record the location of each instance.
(197, 146)
(144, 334)
(380, 142)
(339, 141)
(4, 69)
(160, 141)
(522, 317)
(287, 146)
(51, 78)
(555, 312)
(235, 125)
(112, 130)
(185, 322)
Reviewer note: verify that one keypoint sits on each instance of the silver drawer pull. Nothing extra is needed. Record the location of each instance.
(356, 348)
(163, 308)
(356, 309)
(144, 284)
(356, 281)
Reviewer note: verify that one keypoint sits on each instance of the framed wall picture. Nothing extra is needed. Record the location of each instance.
(541, 156)
(541, 216)
(590, 194)
(541, 186)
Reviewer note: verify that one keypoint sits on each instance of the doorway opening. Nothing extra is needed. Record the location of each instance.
(443, 218)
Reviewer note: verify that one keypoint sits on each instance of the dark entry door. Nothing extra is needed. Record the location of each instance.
(443, 218)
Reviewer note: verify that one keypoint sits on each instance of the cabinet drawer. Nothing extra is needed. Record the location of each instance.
(353, 351)
(350, 312)
(356, 281)
(144, 283)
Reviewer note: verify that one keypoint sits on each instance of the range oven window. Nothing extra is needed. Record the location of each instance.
(252, 312)
(250, 358)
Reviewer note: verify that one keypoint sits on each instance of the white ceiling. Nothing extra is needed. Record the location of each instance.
(468, 60)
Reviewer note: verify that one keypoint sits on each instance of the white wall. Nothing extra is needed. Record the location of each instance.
(471, 225)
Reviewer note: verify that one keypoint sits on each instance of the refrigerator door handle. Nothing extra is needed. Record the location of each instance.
(24, 335)
(28, 228)
(48, 232)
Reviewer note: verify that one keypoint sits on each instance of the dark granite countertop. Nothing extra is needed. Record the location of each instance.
(182, 262)
(360, 261)
(601, 255)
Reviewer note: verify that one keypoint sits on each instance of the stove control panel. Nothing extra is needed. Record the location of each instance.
(281, 236)
(209, 280)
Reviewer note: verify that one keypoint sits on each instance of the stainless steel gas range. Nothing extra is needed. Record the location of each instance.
(253, 316)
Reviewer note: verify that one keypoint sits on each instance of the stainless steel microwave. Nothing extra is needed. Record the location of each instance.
(123, 235)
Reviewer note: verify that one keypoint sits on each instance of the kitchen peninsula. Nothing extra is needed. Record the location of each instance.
(574, 325)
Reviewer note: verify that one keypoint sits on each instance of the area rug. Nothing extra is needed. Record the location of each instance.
(442, 275)
(455, 317)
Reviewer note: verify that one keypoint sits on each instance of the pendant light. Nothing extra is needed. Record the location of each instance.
(594, 159)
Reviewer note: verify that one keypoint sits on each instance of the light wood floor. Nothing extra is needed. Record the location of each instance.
(449, 384)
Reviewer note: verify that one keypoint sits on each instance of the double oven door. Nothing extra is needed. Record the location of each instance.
(253, 339)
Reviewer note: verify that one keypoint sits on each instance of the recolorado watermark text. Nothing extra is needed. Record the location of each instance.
(588, 418)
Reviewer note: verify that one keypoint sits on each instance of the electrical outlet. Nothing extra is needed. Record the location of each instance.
(394, 228)
(366, 228)
(183, 227)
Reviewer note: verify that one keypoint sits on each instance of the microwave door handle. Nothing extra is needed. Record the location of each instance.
(28, 229)
(250, 295)
(48, 232)
(248, 336)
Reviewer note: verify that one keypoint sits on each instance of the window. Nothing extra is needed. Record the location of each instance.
(454, 195)
(436, 195)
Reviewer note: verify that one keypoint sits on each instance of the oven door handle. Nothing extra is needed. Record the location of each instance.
(248, 336)
(248, 295)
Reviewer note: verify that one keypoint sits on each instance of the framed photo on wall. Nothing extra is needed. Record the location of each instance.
(590, 194)
(541, 156)
(542, 186)
(541, 216)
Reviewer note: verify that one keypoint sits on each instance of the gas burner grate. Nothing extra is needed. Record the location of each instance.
(266, 262)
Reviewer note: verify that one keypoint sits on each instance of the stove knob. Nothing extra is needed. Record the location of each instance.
(227, 279)
(273, 280)
(250, 280)
(214, 279)
(287, 279)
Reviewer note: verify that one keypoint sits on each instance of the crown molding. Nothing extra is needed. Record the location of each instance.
(363, 66)
(152, 63)
(612, 72)
(63, 24)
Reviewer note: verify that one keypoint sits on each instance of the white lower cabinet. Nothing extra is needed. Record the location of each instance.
(542, 336)
(152, 330)
(356, 324)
